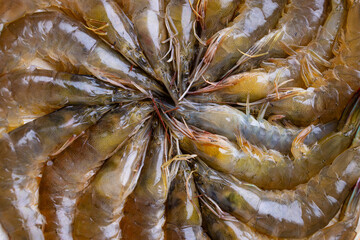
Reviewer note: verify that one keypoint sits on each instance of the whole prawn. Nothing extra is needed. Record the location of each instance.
(100, 209)
(288, 213)
(228, 121)
(61, 186)
(255, 18)
(298, 70)
(24, 151)
(149, 23)
(144, 210)
(56, 36)
(183, 216)
(328, 95)
(267, 169)
(29, 94)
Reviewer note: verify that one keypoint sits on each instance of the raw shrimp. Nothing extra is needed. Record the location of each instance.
(183, 216)
(288, 213)
(23, 154)
(267, 169)
(149, 23)
(301, 68)
(326, 98)
(30, 94)
(255, 19)
(144, 210)
(60, 185)
(228, 121)
(57, 36)
(295, 29)
(221, 225)
(106, 19)
(180, 20)
(213, 16)
(100, 209)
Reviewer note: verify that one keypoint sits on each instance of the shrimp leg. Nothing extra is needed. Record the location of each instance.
(31, 94)
(60, 185)
(288, 213)
(144, 210)
(54, 35)
(99, 209)
(183, 217)
(23, 154)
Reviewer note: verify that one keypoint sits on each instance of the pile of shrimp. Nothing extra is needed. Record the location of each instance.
(179, 119)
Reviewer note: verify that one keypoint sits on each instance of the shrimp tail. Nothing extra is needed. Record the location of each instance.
(350, 119)
(354, 200)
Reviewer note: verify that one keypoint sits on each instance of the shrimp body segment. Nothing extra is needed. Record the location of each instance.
(144, 210)
(99, 209)
(60, 186)
(23, 154)
(30, 94)
(56, 36)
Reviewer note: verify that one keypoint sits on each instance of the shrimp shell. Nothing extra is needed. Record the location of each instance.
(100, 209)
(58, 37)
(144, 210)
(23, 154)
(60, 185)
(33, 93)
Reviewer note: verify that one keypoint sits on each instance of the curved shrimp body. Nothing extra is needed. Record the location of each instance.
(106, 19)
(302, 68)
(183, 217)
(60, 185)
(99, 209)
(29, 94)
(144, 210)
(180, 20)
(253, 165)
(55, 35)
(288, 213)
(149, 24)
(296, 28)
(228, 121)
(255, 19)
(23, 153)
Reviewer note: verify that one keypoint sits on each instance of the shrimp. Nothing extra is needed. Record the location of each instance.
(108, 21)
(326, 98)
(60, 186)
(255, 19)
(302, 68)
(213, 16)
(222, 225)
(55, 35)
(100, 209)
(287, 213)
(268, 169)
(144, 210)
(179, 21)
(183, 217)
(149, 23)
(23, 154)
(295, 29)
(228, 121)
(30, 94)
